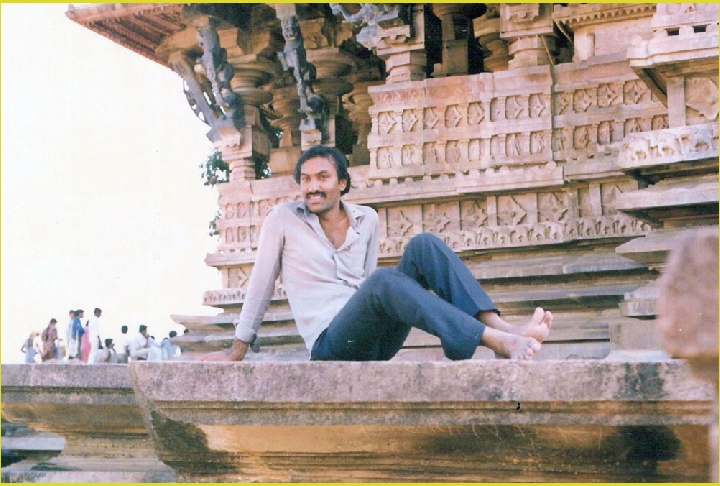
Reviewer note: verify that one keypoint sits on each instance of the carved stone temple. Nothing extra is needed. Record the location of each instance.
(559, 149)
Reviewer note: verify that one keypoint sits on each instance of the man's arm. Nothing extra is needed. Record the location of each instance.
(371, 256)
(260, 289)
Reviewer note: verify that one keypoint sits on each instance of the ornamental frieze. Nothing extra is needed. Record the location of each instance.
(668, 146)
(540, 233)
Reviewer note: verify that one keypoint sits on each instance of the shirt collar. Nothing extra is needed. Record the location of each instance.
(353, 211)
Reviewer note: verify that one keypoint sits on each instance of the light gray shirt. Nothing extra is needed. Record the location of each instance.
(318, 278)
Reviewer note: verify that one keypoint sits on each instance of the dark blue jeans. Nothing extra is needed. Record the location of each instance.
(376, 320)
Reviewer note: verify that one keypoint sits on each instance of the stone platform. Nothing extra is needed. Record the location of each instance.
(94, 408)
(498, 421)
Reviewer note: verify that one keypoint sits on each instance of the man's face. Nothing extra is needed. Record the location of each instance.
(81, 315)
(319, 185)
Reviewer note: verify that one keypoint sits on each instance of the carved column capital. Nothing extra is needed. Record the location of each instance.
(395, 33)
(495, 50)
(529, 30)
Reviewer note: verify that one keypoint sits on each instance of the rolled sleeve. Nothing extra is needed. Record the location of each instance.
(262, 279)
(371, 257)
(243, 332)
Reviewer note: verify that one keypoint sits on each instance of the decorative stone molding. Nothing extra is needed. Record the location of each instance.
(669, 146)
(523, 235)
(684, 45)
(674, 201)
(232, 296)
(673, 16)
(582, 15)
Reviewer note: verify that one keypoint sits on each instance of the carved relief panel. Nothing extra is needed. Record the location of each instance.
(602, 113)
(520, 219)
(439, 218)
(701, 100)
(441, 126)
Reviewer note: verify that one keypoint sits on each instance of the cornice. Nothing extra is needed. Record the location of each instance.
(581, 15)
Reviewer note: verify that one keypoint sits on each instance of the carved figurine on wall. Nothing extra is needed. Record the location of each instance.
(219, 72)
(345, 309)
(294, 59)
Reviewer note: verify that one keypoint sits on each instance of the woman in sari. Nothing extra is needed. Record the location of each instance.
(85, 345)
(49, 338)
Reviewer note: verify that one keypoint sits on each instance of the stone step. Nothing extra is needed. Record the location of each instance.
(72, 469)
(524, 267)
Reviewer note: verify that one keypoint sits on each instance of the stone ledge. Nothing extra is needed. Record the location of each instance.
(462, 421)
(94, 408)
(332, 421)
(693, 197)
(463, 381)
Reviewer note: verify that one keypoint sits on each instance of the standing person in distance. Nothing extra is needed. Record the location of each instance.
(94, 331)
(49, 338)
(30, 348)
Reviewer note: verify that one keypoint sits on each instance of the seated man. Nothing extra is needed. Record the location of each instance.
(345, 309)
(108, 353)
(143, 348)
(168, 349)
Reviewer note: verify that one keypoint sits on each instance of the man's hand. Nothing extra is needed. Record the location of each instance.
(235, 353)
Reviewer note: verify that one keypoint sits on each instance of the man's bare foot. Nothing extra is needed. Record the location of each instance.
(509, 345)
(538, 328)
(539, 325)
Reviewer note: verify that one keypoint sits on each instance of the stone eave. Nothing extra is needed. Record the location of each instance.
(574, 16)
(692, 197)
(140, 27)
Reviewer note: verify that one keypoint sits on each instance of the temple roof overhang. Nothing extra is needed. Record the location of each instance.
(141, 27)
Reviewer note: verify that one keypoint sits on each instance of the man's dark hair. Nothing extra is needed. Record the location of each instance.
(172, 334)
(79, 311)
(123, 329)
(142, 328)
(108, 342)
(330, 153)
(53, 321)
(97, 310)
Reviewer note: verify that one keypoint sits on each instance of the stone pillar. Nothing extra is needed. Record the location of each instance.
(313, 107)
(332, 65)
(357, 102)
(529, 29)
(400, 42)
(286, 105)
(222, 87)
(456, 24)
(487, 32)
(688, 312)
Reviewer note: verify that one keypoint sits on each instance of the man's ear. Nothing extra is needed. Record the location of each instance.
(343, 184)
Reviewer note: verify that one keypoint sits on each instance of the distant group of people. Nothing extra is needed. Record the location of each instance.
(85, 343)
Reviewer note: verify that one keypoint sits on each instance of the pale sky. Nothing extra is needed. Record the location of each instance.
(102, 200)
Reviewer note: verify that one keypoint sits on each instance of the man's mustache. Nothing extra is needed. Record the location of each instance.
(319, 193)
